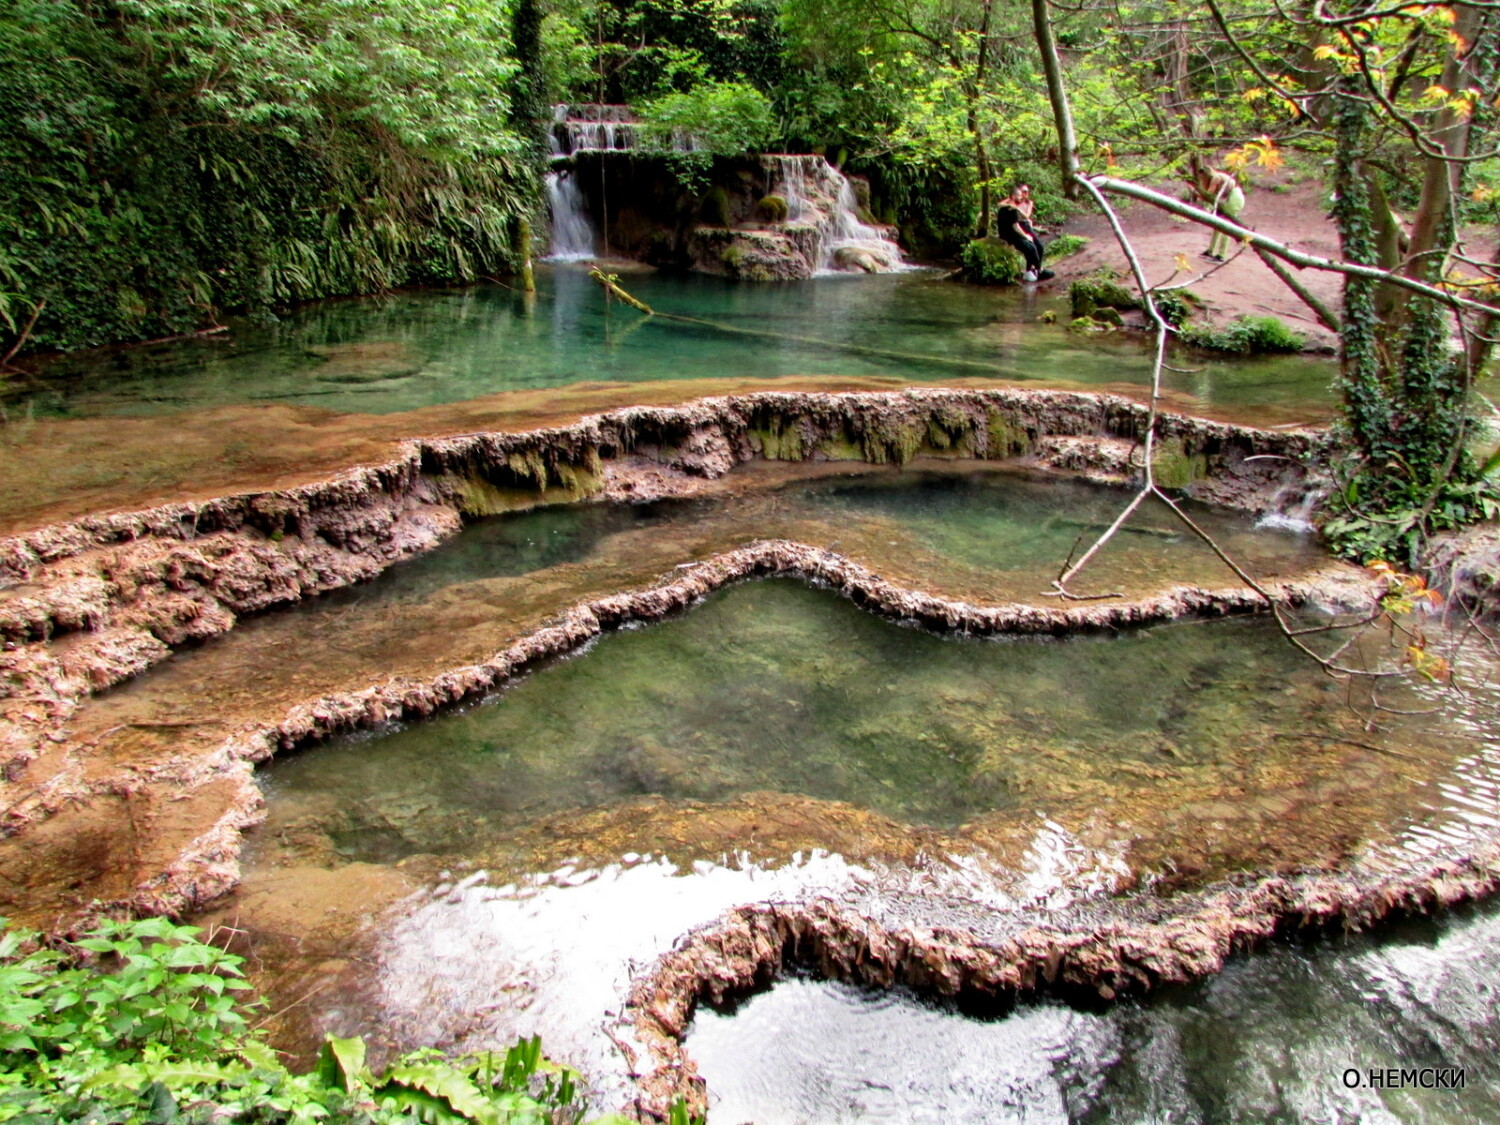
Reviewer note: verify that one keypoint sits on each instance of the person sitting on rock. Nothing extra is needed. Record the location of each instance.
(1014, 219)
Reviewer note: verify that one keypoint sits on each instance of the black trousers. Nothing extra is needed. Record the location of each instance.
(1029, 245)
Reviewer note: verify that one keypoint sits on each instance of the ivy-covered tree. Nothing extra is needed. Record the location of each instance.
(1399, 98)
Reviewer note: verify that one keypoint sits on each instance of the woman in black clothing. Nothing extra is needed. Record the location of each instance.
(1014, 218)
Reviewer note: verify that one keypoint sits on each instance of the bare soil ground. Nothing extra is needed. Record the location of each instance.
(1281, 206)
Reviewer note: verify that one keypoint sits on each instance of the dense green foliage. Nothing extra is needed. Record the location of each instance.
(992, 261)
(149, 1032)
(182, 157)
(1245, 335)
(714, 119)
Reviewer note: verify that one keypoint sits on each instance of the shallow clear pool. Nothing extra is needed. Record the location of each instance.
(413, 349)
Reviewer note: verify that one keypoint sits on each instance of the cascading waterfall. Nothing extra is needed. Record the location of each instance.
(587, 128)
(571, 235)
(818, 195)
(1292, 510)
(594, 127)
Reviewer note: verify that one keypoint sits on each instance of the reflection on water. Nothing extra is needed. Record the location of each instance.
(773, 686)
(778, 742)
(1269, 1039)
(381, 355)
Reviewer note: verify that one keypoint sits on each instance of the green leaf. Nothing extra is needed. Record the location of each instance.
(441, 1080)
(341, 1064)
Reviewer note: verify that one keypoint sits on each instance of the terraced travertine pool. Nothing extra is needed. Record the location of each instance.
(779, 742)
(1289, 1034)
(508, 867)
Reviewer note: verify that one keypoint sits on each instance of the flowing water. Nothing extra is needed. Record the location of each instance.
(820, 195)
(1288, 1035)
(571, 233)
(533, 852)
(414, 349)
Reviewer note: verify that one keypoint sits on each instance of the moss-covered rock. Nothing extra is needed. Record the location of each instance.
(1174, 465)
(1101, 290)
(748, 255)
(780, 439)
(992, 261)
(772, 209)
(1005, 438)
(713, 207)
(892, 440)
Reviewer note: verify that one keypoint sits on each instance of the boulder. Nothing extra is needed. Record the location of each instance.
(866, 258)
(748, 255)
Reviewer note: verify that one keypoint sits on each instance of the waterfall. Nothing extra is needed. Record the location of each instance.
(818, 195)
(1292, 508)
(571, 238)
(595, 127)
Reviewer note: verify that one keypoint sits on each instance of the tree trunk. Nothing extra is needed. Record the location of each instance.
(522, 250)
(981, 153)
(1441, 178)
(1057, 94)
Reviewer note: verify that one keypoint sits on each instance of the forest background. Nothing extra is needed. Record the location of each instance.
(169, 162)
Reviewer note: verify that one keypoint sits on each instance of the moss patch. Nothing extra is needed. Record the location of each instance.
(1100, 290)
(892, 441)
(1005, 438)
(1174, 466)
(780, 440)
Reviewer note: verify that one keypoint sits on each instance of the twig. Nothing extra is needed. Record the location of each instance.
(306, 996)
(25, 333)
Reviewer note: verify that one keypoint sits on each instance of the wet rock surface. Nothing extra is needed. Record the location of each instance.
(98, 601)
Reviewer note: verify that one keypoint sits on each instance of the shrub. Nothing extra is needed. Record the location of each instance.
(1064, 245)
(1246, 335)
(992, 261)
(1176, 306)
(149, 1031)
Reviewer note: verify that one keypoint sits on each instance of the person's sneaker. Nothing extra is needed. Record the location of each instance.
(1045, 274)
(1029, 275)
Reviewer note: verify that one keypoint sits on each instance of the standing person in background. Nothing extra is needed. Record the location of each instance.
(1220, 189)
(1014, 219)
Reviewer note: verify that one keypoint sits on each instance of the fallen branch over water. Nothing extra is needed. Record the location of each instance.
(611, 285)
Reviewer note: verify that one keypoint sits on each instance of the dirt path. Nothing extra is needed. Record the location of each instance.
(1291, 212)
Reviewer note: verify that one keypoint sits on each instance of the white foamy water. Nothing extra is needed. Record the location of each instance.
(818, 195)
